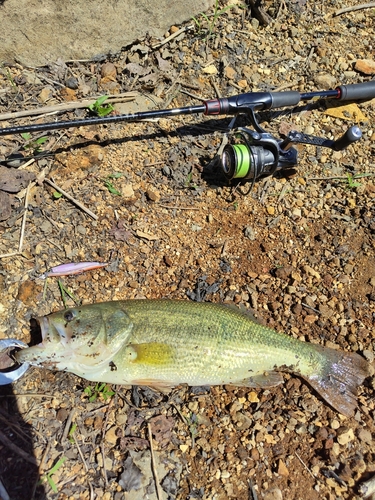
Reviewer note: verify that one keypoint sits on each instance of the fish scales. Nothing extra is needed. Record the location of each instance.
(164, 343)
(205, 344)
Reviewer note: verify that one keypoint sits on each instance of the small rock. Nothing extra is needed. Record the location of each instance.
(210, 70)
(62, 414)
(109, 71)
(271, 210)
(325, 311)
(72, 83)
(253, 397)
(345, 437)
(325, 81)
(152, 195)
(335, 424)
(366, 66)
(282, 469)
(128, 191)
(230, 73)
(250, 233)
(45, 94)
(369, 355)
(111, 436)
(365, 436)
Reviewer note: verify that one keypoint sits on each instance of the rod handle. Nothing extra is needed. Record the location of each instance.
(357, 91)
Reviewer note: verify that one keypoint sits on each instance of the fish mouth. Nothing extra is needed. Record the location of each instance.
(53, 332)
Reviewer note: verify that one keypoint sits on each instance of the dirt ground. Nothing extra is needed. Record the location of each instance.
(298, 250)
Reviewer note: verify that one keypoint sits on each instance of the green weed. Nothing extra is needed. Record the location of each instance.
(208, 32)
(65, 292)
(48, 475)
(99, 109)
(33, 144)
(109, 184)
(100, 389)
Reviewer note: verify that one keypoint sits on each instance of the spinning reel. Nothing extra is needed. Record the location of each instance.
(253, 154)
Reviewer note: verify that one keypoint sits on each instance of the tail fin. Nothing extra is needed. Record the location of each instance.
(339, 379)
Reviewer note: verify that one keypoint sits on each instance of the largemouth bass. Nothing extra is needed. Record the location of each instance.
(164, 343)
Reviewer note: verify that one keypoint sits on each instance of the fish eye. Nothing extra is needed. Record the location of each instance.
(69, 315)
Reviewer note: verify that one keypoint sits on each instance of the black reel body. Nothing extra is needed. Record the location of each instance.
(253, 155)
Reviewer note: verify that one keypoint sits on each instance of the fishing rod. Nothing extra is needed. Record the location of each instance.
(252, 153)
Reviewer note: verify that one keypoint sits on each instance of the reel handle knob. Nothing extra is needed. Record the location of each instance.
(353, 134)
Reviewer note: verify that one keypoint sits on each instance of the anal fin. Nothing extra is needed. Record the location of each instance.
(261, 380)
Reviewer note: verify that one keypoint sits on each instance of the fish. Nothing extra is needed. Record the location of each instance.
(164, 343)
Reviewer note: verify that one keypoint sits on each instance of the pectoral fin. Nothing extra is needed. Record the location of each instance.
(157, 385)
(261, 380)
(152, 353)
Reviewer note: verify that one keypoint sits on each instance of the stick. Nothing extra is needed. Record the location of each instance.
(175, 207)
(23, 225)
(68, 424)
(73, 200)
(303, 463)
(8, 443)
(153, 463)
(217, 90)
(80, 452)
(354, 7)
(127, 96)
(170, 37)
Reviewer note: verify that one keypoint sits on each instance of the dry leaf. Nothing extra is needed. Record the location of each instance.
(350, 112)
(133, 443)
(149, 237)
(161, 427)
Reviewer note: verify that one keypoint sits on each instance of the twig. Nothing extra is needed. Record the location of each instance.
(309, 307)
(303, 463)
(127, 96)
(8, 443)
(102, 441)
(361, 6)
(68, 424)
(11, 254)
(23, 225)
(73, 200)
(285, 86)
(153, 463)
(194, 96)
(217, 90)
(80, 452)
(178, 208)
(174, 35)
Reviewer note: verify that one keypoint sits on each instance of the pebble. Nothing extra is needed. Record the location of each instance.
(345, 437)
(365, 436)
(369, 355)
(111, 436)
(282, 469)
(325, 81)
(335, 424)
(128, 191)
(366, 66)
